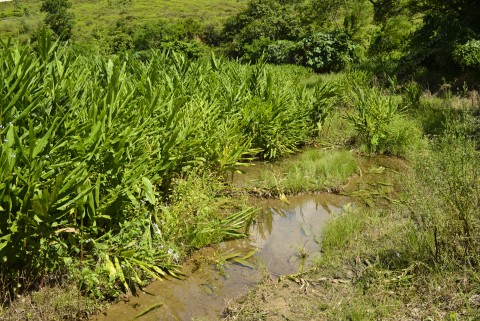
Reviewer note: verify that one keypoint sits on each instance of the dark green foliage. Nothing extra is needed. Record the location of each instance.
(325, 11)
(254, 51)
(273, 20)
(211, 35)
(390, 42)
(445, 25)
(179, 37)
(324, 52)
(275, 30)
(468, 55)
(58, 18)
(385, 9)
(411, 94)
(281, 52)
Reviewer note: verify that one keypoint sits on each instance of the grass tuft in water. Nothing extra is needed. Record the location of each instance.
(313, 170)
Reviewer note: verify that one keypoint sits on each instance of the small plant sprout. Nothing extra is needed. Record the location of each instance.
(302, 252)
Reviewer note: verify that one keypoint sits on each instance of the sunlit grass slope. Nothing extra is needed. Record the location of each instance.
(98, 15)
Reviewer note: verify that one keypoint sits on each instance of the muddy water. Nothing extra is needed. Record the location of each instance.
(286, 237)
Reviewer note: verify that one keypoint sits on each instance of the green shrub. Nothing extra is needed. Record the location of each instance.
(411, 94)
(58, 18)
(389, 42)
(468, 55)
(192, 49)
(266, 124)
(281, 52)
(380, 122)
(246, 33)
(253, 52)
(325, 52)
(402, 136)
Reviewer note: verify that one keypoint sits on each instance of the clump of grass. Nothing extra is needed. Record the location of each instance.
(341, 230)
(313, 170)
(444, 203)
(319, 169)
(337, 132)
(401, 136)
(58, 303)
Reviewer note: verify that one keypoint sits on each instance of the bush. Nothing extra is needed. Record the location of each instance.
(254, 51)
(58, 18)
(325, 52)
(411, 94)
(468, 55)
(281, 52)
(402, 136)
(266, 123)
(192, 49)
(272, 19)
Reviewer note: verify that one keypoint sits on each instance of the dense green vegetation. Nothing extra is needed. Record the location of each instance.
(425, 39)
(121, 126)
(405, 37)
(412, 258)
(408, 249)
(92, 148)
(111, 26)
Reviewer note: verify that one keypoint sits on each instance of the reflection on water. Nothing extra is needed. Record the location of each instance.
(286, 237)
(289, 236)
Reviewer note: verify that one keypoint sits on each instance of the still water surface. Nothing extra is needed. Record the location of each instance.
(286, 237)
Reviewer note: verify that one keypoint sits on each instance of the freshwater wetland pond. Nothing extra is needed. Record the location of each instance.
(283, 239)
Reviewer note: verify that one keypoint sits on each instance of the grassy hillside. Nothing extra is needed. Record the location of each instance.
(22, 16)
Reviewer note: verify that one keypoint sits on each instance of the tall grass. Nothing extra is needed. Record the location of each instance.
(88, 143)
(446, 200)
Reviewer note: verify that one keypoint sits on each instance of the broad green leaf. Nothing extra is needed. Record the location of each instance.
(149, 309)
(42, 142)
(110, 268)
(149, 191)
(4, 240)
